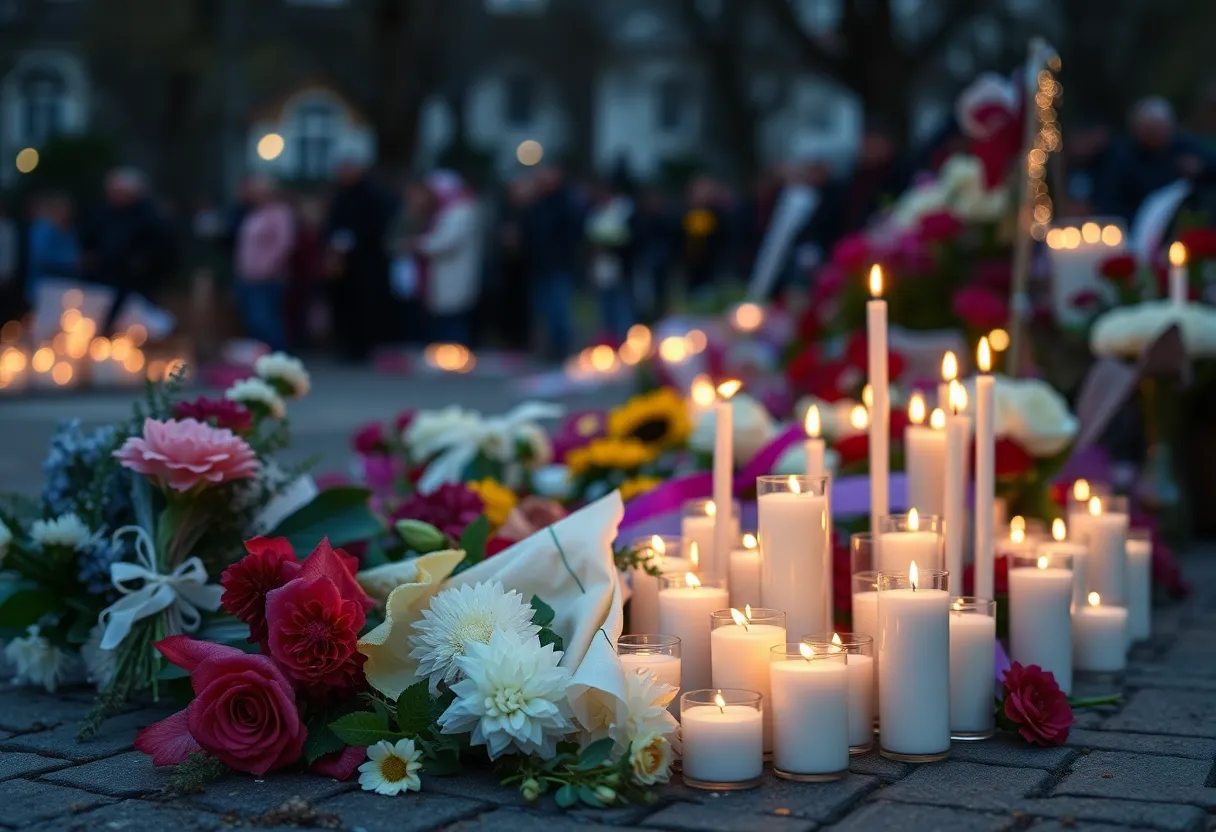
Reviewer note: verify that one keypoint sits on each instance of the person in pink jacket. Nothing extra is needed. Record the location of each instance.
(264, 246)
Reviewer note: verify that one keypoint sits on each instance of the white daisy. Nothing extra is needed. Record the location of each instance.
(285, 372)
(66, 530)
(462, 616)
(98, 664)
(391, 769)
(6, 537)
(254, 394)
(513, 696)
(37, 661)
(650, 757)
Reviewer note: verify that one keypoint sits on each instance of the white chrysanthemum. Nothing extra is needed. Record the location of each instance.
(431, 431)
(650, 757)
(255, 393)
(462, 616)
(36, 661)
(98, 663)
(6, 538)
(66, 530)
(643, 712)
(285, 369)
(513, 696)
(391, 769)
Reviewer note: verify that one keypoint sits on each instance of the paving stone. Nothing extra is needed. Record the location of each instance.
(902, 817)
(519, 820)
(1134, 813)
(246, 795)
(874, 763)
(709, 818)
(24, 710)
(116, 734)
(18, 763)
(819, 802)
(1140, 777)
(1090, 718)
(1173, 712)
(125, 775)
(1158, 677)
(1073, 826)
(1196, 749)
(1008, 750)
(968, 786)
(26, 802)
(478, 785)
(135, 816)
(410, 813)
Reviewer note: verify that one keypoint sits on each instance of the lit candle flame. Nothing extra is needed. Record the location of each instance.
(720, 702)
(913, 520)
(867, 396)
(657, 545)
(1080, 491)
(1094, 599)
(983, 356)
(807, 651)
(749, 541)
(1043, 562)
(913, 574)
(937, 419)
(1095, 506)
(958, 397)
(836, 639)
(958, 605)
(876, 281)
(949, 366)
(729, 388)
(711, 508)
(812, 423)
(702, 391)
(795, 486)
(1058, 530)
(740, 619)
(1018, 523)
(859, 417)
(747, 610)
(1017, 535)
(692, 580)
(916, 409)
(1177, 254)
(694, 554)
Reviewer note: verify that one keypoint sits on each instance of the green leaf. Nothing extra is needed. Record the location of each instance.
(414, 709)
(341, 514)
(166, 527)
(566, 796)
(363, 729)
(588, 796)
(547, 636)
(25, 605)
(321, 740)
(473, 540)
(595, 754)
(543, 614)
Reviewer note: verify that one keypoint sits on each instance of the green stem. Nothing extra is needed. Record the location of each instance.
(1095, 701)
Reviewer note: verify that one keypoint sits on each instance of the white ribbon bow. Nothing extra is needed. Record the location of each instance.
(460, 445)
(183, 592)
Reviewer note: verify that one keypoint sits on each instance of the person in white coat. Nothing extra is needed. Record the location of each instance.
(449, 255)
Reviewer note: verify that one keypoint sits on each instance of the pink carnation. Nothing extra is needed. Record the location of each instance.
(180, 454)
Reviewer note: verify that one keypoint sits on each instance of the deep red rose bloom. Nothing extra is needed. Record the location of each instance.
(269, 564)
(897, 424)
(340, 568)
(314, 633)
(1200, 243)
(369, 439)
(222, 413)
(1012, 460)
(910, 256)
(994, 274)
(853, 253)
(243, 712)
(402, 421)
(1000, 577)
(1036, 705)
(1085, 299)
(842, 579)
(980, 308)
(1059, 492)
(449, 508)
(1119, 267)
(853, 449)
(939, 225)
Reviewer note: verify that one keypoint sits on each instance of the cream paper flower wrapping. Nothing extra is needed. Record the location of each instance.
(1125, 331)
(569, 565)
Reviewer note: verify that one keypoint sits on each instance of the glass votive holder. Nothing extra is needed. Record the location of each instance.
(1040, 617)
(914, 665)
(1081, 492)
(722, 733)
(1064, 542)
(1139, 584)
(972, 657)
(1099, 639)
(861, 553)
(664, 554)
(745, 571)
(810, 712)
(651, 653)
(1106, 530)
(904, 538)
(739, 641)
(1024, 535)
(795, 549)
(860, 650)
(686, 605)
(865, 618)
(697, 521)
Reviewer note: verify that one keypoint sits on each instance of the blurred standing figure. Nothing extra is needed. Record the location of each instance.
(877, 179)
(451, 248)
(264, 244)
(654, 235)
(304, 273)
(704, 236)
(610, 236)
(53, 252)
(514, 302)
(407, 271)
(553, 233)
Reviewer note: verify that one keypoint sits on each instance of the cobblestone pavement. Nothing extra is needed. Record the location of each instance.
(1144, 764)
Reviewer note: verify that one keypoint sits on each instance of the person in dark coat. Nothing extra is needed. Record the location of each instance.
(362, 304)
(514, 269)
(553, 236)
(703, 236)
(878, 177)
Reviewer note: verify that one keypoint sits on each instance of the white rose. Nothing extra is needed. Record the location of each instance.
(286, 369)
(257, 393)
(650, 757)
(432, 430)
(752, 429)
(1031, 413)
(1125, 332)
(6, 537)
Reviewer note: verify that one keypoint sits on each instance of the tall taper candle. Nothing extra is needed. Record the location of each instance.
(985, 469)
(724, 471)
(816, 466)
(958, 432)
(880, 413)
(949, 374)
(1178, 282)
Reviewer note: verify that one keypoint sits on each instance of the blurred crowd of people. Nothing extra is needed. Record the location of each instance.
(436, 260)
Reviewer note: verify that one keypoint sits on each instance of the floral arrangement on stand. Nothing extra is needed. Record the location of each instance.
(137, 518)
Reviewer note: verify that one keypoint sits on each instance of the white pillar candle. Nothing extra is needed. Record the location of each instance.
(698, 522)
(1099, 637)
(972, 657)
(1139, 585)
(724, 472)
(914, 666)
(958, 463)
(1179, 293)
(925, 457)
(949, 376)
(860, 650)
(740, 644)
(722, 743)
(880, 412)
(865, 618)
(1040, 600)
(810, 713)
(985, 470)
(644, 601)
(685, 606)
(795, 553)
(1106, 539)
(745, 573)
(1064, 545)
(908, 538)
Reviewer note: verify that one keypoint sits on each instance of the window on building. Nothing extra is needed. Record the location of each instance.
(316, 137)
(43, 104)
(519, 100)
(671, 104)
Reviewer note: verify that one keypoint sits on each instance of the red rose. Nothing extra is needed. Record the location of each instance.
(897, 424)
(498, 544)
(980, 308)
(853, 449)
(1119, 267)
(939, 225)
(1012, 460)
(1058, 493)
(243, 712)
(1085, 299)
(852, 253)
(314, 633)
(1200, 243)
(335, 564)
(1035, 704)
(222, 413)
(369, 439)
(402, 421)
(271, 562)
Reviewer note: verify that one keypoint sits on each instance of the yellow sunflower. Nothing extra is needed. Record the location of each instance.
(659, 419)
(636, 486)
(611, 453)
(498, 499)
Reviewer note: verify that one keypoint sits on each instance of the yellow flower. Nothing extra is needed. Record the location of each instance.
(660, 419)
(610, 453)
(498, 499)
(631, 488)
(650, 757)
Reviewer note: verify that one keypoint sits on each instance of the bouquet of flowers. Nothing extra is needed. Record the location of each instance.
(136, 518)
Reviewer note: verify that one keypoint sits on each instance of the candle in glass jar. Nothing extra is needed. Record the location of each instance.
(1139, 584)
(685, 607)
(810, 713)
(972, 653)
(722, 737)
(651, 653)
(908, 538)
(795, 553)
(925, 457)
(740, 643)
(697, 523)
(860, 650)
(1040, 621)
(745, 573)
(1062, 545)
(1018, 542)
(1099, 637)
(1106, 536)
(644, 602)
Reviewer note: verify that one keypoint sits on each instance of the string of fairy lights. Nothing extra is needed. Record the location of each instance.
(1047, 140)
